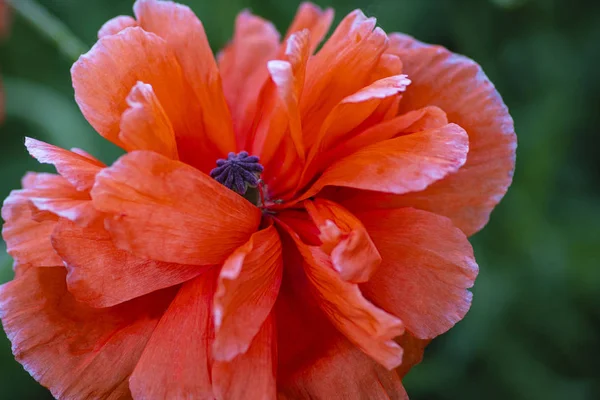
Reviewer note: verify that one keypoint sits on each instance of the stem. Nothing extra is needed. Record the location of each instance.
(50, 27)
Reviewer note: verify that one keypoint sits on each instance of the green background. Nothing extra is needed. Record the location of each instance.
(534, 329)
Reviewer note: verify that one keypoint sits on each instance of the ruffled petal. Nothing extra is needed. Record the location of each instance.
(279, 102)
(428, 118)
(314, 19)
(76, 351)
(164, 210)
(424, 119)
(368, 327)
(243, 67)
(104, 76)
(355, 109)
(248, 286)
(457, 85)
(343, 373)
(345, 240)
(182, 30)
(145, 124)
(249, 376)
(101, 275)
(427, 267)
(116, 25)
(277, 138)
(53, 193)
(343, 66)
(405, 164)
(27, 238)
(176, 363)
(79, 170)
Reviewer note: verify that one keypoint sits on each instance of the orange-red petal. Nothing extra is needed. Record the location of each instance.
(370, 328)
(247, 288)
(101, 275)
(345, 239)
(355, 109)
(104, 76)
(165, 210)
(76, 351)
(184, 34)
(79, 170)
(145, 124)
(243, 68)
(249, 376)
(457, 85)
(343, 373)
(277, 134)
(28, 239)
(342, 67)
(428, 118)
(176, 361)
(53, 193)
(116, 25)
(404, 164)
(312, 18)
(427, 267)
(424, 119)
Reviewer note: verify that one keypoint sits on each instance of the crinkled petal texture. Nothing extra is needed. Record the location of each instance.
(102, 275)
(345, 373)
(165, 210)
(458, 86)
(149, 279)
(427, 266)
(76, 351)
(248, 286)
(175, 363)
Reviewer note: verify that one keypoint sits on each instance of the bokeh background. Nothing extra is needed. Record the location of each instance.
(534, 329)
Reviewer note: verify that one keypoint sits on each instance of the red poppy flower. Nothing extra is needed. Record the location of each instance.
(286, 222)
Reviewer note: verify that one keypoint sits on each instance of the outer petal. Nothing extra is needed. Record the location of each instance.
(428, 264)
(145, 124)
(76, 351)
(247, 289)
(317, 21)
(175, 363)
(53, 193)
(104, 76)
(343, 373)
(79, 170)
(102, 275)
(368, 327)
(116, 25)
(185, 35)
(345, 239)
(168, 211)
(27, 239)
(405, 164)
(249, 376)
(243, 67)
(458, 86)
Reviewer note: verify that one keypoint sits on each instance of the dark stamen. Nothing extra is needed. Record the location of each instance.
(238, 172)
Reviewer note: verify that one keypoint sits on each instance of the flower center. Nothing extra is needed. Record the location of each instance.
(239, 172)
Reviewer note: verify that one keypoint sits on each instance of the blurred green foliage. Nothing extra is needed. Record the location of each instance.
(534, 329)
